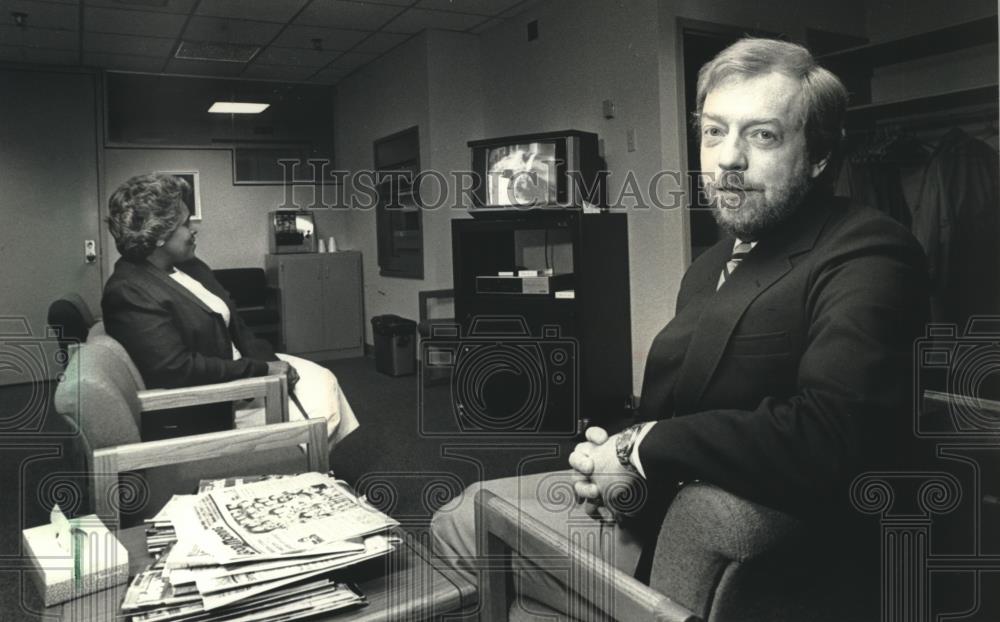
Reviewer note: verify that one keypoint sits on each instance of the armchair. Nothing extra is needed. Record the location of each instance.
(255, 301)
(70, 318)
(109, 462)
(102, 395)
(718, 557)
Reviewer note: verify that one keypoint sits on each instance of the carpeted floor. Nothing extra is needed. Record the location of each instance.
(408, 460)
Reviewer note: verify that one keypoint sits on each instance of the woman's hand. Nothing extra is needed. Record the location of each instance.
(282, 368)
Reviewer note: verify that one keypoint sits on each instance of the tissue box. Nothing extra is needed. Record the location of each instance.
(103, 560)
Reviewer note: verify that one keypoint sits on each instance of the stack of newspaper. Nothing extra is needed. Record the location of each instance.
(258, 551)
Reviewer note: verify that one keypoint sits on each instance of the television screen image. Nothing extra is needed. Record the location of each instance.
(522, 174)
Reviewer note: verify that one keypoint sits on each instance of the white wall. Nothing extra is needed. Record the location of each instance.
(386, 97)
(233, 231)
(455, 103)
(431, 81)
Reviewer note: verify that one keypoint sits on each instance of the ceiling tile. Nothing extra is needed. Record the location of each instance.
(479, 7)
(496, 21)
(329, 76)
(488, 25)
(133, 22)
(349, 61)
(416, 20)
(343, 14)
(204, 68)
(41, 14)
(388, 2)
(264, 10)
(41, 56)
(285, 73)
(230, 30)
(162, 6)
(381, 42)
(332, 38)
(39, 38)
(123, 62)
(295, 56)
(127, 44)
(521, 7)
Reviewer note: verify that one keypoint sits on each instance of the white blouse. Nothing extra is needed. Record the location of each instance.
(212, 301)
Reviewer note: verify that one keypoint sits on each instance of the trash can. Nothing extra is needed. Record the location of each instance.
(395, 345)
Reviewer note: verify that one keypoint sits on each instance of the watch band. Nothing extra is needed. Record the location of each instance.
(624, 444)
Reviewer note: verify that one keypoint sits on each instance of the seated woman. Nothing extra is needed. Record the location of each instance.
(178, 324)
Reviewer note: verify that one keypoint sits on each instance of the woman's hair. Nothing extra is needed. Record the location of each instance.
(823, 95)
(144, 210)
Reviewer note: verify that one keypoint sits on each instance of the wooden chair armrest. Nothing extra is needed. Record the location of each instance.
(110, 461)
(274, 390)
(507, 530)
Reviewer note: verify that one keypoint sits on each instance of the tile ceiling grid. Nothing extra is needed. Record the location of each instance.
(330, 65)
(283, 28)
(134, 34)
(180, 35)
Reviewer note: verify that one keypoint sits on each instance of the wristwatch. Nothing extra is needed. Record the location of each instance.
(624, 444)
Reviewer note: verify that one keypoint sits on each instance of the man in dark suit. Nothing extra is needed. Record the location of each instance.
(785, 370)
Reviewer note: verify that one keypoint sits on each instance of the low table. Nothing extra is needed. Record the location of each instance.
(408, 584)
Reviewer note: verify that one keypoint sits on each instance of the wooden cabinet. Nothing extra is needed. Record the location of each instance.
(322, 309)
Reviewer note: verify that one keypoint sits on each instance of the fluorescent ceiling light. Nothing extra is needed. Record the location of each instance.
(238, 108)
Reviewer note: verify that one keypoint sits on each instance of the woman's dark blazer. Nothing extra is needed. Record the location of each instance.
(176, 340)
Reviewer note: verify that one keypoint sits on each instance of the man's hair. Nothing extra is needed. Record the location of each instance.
(144, 210)
(824, 97)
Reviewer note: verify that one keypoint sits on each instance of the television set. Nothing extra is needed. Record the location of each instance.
(545, 171)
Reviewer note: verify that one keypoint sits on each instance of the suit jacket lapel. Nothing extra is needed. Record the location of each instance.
(154, 275)
(769, 261)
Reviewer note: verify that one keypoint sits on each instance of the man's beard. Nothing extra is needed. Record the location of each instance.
(748, 212)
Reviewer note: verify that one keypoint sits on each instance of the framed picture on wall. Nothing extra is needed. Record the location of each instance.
(194, 201)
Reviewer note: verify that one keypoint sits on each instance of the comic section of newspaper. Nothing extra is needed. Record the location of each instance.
(257, 550)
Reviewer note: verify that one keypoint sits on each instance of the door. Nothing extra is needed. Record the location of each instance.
(301, 279)
(49, 201)
(344, 322)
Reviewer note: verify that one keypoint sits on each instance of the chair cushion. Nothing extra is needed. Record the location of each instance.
(70, 317)
(705, 530)
(109, 342)
(98, 394)
(726, 558)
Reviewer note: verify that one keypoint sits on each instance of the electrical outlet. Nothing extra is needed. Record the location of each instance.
(532, 30)
(608, 106)
(630, 139)
(90, 251)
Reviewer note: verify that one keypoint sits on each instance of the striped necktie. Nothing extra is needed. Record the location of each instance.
(740, 251)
